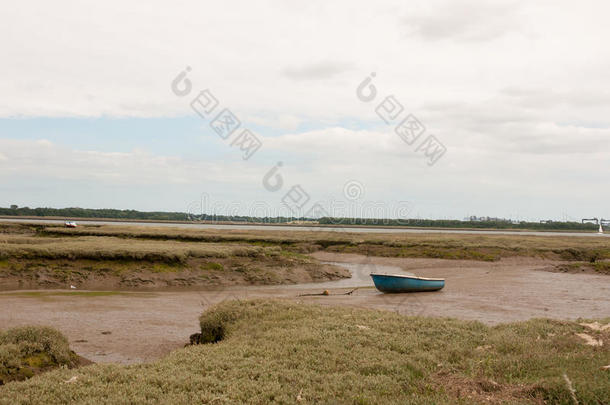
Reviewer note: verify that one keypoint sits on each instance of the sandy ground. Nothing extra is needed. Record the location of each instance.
(138, 327)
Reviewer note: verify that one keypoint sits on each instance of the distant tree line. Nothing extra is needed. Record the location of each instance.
(451, 223)
(238, 218)
(181, 216)
(135, 215)
(91, 213)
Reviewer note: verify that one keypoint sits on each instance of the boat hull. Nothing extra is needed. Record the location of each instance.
(401, 284)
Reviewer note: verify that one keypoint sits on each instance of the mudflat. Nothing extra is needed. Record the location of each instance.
(133, 327)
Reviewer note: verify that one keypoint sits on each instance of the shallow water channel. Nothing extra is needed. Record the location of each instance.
(361, 275)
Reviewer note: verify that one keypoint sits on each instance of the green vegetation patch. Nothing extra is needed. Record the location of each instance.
(212, 266)
(30, 350)
(600, 267)
(285, 352)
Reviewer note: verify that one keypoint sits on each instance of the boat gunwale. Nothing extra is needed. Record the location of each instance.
(405, 276)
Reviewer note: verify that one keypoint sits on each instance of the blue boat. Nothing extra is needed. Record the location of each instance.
(394, 283)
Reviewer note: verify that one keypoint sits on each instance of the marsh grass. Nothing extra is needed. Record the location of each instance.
(114, 248)
(29, 350)
(431, 245)
(30, 261)
(276, 352)
(601, 267)
(212, 266)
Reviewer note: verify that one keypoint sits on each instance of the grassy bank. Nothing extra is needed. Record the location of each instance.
(31, 260)
(112, 248)
(278, 352)
(27, 351)
(431, 245)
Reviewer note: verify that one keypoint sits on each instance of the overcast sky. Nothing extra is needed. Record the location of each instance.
(517, 92)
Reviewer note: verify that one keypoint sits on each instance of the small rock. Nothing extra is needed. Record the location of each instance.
(106, 332)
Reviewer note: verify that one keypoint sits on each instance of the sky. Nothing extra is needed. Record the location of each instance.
(511, 101)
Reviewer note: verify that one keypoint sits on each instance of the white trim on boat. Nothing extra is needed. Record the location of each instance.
(403, 276)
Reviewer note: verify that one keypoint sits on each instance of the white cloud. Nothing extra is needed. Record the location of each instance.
(464, 21)
(318, 71)
(92, 59)
(518, 91)
(44, 159)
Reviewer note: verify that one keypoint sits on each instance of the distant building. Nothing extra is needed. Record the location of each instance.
(474, 218)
